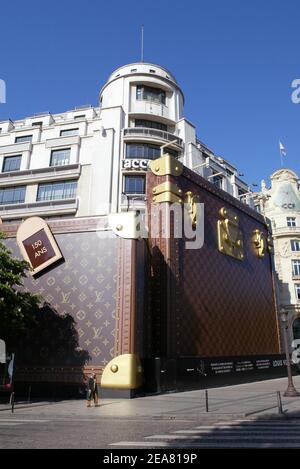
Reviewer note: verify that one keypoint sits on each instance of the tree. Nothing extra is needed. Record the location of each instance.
(18, 308)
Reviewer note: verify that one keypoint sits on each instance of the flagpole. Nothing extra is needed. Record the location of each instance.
(280, 151)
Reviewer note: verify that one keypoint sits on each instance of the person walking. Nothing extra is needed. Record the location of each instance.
(92, 390)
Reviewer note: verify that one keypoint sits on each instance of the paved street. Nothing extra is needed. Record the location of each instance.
(239, 416)
(237, 434)
(93, 433)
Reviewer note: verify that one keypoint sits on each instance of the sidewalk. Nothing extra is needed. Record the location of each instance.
(257, 400)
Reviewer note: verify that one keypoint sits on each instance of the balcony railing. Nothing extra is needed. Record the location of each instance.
(144, 106)
(152, 133)
(40, 207)
(40, 174)
(286, 229)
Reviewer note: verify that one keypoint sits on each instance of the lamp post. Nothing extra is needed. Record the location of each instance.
(290, 391)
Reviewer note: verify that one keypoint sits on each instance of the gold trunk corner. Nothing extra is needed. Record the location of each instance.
(122, 372)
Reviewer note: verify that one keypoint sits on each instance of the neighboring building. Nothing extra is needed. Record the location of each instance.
(281, 205)
(92, 160)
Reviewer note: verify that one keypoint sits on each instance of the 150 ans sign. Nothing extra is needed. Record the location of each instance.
(37, 244)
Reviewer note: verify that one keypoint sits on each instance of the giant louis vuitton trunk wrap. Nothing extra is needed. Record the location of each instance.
(207, 302)
(155, 314)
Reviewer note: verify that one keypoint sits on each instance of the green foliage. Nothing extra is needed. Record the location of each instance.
(18, 308)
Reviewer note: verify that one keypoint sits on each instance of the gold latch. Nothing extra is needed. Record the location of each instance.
(167, 192)
(260, 243)
(191, 201)
(230, 237)
(166, 165)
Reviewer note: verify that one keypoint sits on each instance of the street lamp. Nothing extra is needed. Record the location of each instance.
(290, 391)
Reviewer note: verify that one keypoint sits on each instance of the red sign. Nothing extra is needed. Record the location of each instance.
(39, 248)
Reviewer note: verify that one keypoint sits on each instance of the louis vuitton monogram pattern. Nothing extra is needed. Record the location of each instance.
(83, 286)
(204, 302)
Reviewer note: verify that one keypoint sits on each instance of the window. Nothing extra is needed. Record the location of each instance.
(150, 124)
(37, 124)
(241, 191)
(152, 71)
(291, 221)
(57, 190)
(133, 70)
(217, 181)
(23, 138)
(146, 151)
(296, 267)
(295, 245)
(11, 163)
(68, 132)
(257, 208)
(80, 116)
(60, 157)
(150, 94)
(134, 184)
(12, 195)
(142, 150)
(297, 290)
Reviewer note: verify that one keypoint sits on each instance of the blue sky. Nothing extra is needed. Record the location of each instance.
(235, 61)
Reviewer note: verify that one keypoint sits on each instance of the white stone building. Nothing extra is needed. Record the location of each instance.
(280, 204)
(92, 160)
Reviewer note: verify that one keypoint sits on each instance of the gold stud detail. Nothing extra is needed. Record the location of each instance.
(114, 368)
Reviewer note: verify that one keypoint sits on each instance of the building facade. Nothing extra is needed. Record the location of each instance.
(92, 160)
(116, 303)
(280, 204)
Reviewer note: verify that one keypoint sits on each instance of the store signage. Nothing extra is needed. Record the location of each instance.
(129, 163)
(289, 206)
(37, 244)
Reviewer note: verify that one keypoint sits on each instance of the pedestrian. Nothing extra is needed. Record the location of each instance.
(92, 390)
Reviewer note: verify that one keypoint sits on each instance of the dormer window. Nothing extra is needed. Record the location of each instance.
(149, 93)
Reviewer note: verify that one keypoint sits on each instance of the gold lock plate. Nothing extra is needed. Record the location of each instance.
(230, 237)
(166, 165)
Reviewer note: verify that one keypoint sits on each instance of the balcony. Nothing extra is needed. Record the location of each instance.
(153, 134)
(16, 148)
(286, 230)
(42, 208)
(70, 171)
(63, 141)
(143, 106)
